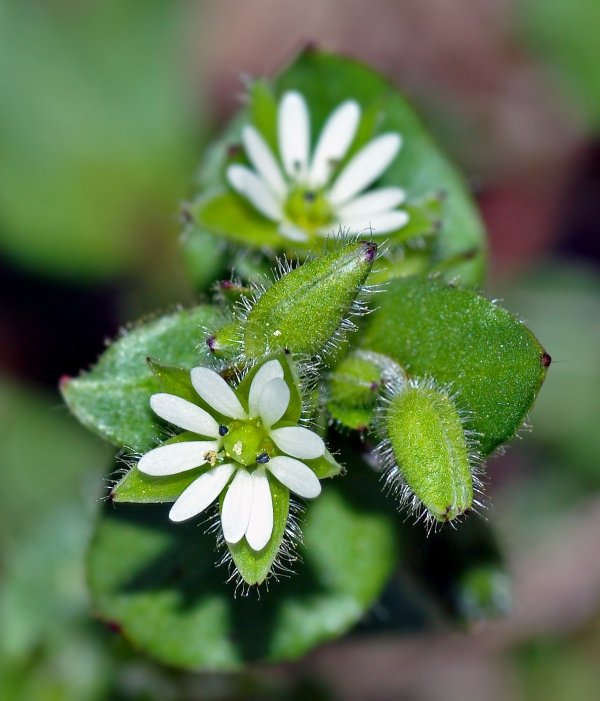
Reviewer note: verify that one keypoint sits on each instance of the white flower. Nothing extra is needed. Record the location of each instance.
(301, 198)
(242, 449)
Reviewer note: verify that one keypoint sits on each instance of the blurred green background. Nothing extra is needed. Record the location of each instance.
(104, 107)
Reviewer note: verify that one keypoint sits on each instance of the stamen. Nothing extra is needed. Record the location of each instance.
(262, 458)
(223, 430)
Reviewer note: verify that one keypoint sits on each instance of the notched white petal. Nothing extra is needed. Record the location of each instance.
(264, 162)
(180, 412)
(296, 476)
(273, 401)
(269, 371)
(365, 167)
(378, 223)
(298, 442)
(335, 139)
(375, 202)
(248, 184)
(294, 134)
(216, 392)
(175, 457)
(201, 493)
(237, 506)
(260, 525)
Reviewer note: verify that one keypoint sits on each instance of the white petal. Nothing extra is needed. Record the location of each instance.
(248, 184)
(263, 160)
(216, 392)
(296, 476)
(269, 371)
(293, 233)
(273, 401)
(294, 134)
(378, 223)
(201, 493)
(184, 414)
(237, 505)
(365, 167)
(298, 442)
(335, 139)
(260, 525)
(175, 457)
(375, 202)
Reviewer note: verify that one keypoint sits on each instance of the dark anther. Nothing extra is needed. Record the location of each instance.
(234, 150)
(545, 360)
(310, 196)
(262, 458)
(223, 430)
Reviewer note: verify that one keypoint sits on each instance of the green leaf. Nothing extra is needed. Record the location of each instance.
(305, 308)
(113, 398)
(326, 466)
(230, 216)
(326, 80)
(484, 354)
(253, 566)
(157, 581)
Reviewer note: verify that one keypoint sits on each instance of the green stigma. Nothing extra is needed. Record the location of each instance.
(308, 209)
(245, 441)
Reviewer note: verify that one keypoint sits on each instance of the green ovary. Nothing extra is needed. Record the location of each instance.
(309, 209)
(245, 441)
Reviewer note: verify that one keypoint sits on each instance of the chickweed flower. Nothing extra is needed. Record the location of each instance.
(305, 194)
(241, 439)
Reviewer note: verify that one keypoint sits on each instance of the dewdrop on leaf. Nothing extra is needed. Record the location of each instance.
(429, 454)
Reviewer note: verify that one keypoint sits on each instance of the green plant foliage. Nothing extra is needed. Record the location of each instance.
(113, 398)
(158, 582)
(489, 358)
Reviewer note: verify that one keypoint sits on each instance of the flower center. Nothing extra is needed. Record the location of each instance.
(308, 209)
(246, 442)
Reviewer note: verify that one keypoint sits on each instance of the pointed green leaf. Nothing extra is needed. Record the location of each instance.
(487, 356)
(113, 398)
(229, 216)
(325, 466)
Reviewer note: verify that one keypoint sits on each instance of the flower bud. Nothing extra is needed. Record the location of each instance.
(430, 454)
(306, 308)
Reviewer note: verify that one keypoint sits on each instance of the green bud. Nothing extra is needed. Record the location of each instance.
(304, 310)
(355, 384)
(429, 450)
(225, 343)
